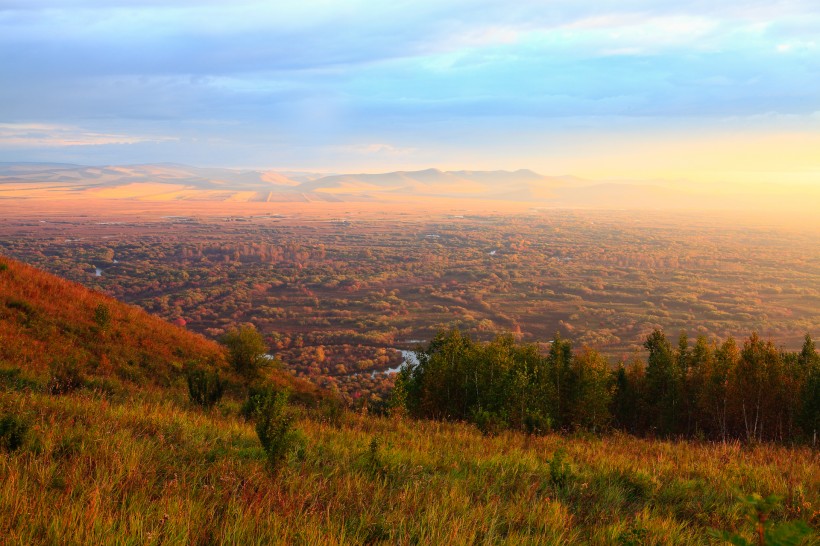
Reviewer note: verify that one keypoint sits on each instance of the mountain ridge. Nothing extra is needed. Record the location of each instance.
(173, 182)
(184, 182)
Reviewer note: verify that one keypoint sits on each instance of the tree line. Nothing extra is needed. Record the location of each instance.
(702, 389)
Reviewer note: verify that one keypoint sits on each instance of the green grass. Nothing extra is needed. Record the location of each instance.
(149, 467)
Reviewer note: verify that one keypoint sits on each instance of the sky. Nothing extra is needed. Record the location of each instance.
(703, 91)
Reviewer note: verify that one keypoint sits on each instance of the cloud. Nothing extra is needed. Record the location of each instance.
(375, 149)
(796, 46)
(38, 135)
(278, 80)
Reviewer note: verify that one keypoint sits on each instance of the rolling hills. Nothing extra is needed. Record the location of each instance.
(174, 183)
(180, 182)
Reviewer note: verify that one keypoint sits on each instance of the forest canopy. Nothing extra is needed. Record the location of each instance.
(702, 389)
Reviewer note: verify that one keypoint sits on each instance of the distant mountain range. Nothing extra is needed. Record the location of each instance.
(171, 182)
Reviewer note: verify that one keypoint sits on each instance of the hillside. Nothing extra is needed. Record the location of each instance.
(110, 464)
(157, 470)
(49, 325)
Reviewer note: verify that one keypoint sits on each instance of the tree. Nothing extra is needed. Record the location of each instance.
(629, 396)
(699, 363)
(559, 363)
(663, 384)
(684, 358)
(757, 390)
(247, 351)
(715, 394)
(591, 393)
(809, 362)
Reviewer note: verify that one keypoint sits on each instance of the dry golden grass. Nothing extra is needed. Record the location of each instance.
(149, 468)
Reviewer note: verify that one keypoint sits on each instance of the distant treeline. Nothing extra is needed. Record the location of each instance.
(705, 389)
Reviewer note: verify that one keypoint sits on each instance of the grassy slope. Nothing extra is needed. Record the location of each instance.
(139, 464)
(153, 469)
(47, 322)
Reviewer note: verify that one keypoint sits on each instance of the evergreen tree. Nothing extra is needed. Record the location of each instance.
(701, 390)
(809, 363)
(663, 385)
(700, 364)
(621, 406)
(682, 360)
(559, 362)
(716, 390)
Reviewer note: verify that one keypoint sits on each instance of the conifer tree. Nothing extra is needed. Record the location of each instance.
(663, 380)
(809, 362)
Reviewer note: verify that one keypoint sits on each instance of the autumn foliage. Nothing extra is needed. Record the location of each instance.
(48, 323)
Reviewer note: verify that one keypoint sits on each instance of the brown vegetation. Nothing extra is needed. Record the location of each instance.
(51, 327)
(337, 288)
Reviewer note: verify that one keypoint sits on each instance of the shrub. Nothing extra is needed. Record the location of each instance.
(27, 311)
(332, 412)
(560, 471)
(13, 432)
(373, 458)
(205, 388)
(762, 528)
(257, 394)
(12, 378)
(633, 536)
(489, 422)
(274, 427)
(20, 305)
(9, 376)
(373, 451)
(66, 377)
(246, 349)
(102, 317)
(537, 423)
